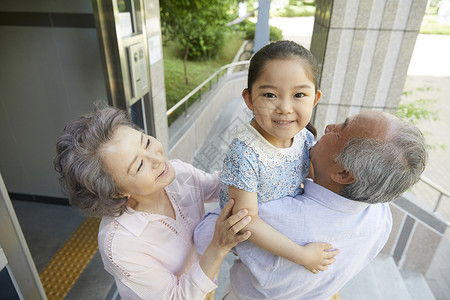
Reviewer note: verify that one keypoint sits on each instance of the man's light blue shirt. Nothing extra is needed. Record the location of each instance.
(357, 229)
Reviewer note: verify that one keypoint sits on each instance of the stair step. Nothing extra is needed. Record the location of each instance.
(380, 280)
(362, 286)
(417, 286)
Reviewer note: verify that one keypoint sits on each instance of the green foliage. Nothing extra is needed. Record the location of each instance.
(302, 2)
(430, 22)
(417, 110)
(176, 88)
(296, 11)
(275, 34)
(249, 28)
(430, 25)
(433, 5)
(198, 26)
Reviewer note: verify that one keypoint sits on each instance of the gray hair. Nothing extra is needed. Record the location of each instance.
(384, 169)
(79, 162)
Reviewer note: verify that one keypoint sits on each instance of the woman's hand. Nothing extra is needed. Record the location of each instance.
(226, 236)
(227, 233)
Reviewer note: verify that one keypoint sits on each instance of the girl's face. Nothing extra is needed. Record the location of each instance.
(137, 163)
(282, 100)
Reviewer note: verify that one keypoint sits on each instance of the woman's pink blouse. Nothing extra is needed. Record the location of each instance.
(152, 256)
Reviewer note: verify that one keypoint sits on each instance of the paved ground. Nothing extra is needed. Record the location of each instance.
(437, 136)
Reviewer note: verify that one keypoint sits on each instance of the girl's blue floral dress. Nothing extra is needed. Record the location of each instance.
(254, 165)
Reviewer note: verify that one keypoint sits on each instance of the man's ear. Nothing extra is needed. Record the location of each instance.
(247, 99)
(121, 196)
(343, 177)
(318, 96)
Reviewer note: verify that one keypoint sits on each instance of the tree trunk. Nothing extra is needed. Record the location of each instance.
(186, 51)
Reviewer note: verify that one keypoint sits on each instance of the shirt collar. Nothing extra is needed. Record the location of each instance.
(136, 221)
(329, 199)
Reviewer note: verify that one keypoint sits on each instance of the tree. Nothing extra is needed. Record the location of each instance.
(198, 26)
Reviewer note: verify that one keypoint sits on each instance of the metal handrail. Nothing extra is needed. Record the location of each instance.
(438, 188)
(198, 88)
(242, 18)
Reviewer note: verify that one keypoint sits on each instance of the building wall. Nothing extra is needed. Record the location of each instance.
(158, 91)
(51, 72)
(364, 48)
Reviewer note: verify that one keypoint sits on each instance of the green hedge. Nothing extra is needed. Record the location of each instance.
(275, 33)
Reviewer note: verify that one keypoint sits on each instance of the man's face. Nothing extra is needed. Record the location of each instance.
(364, 125)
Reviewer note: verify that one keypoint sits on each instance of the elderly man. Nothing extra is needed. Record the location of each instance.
(358, 167)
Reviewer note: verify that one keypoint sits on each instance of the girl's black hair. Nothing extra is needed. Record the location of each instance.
(282, 50)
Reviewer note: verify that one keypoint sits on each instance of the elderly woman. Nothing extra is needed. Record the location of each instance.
(149, 206)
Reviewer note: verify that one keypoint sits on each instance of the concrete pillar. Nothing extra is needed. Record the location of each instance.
(364, 48)
(157, 101)
(262, 31)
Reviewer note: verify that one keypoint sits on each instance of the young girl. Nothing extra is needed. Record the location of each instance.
(269, 158)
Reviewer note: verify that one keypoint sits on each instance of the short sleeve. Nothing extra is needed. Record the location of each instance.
(240, 167)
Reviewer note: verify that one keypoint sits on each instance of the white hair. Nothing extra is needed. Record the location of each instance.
(384, 169)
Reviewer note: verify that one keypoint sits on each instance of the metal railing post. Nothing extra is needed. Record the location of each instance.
(186, 107)
(437, 203)
(437, 188)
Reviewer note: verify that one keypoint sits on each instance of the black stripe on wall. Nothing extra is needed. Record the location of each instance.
(47, 19)
(40, 199)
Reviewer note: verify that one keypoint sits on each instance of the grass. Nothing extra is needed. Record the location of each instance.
(295, 11)
(430, 25)
(198, 71)
(296, 8)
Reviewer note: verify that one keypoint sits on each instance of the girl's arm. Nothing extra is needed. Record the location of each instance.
(226, 236)
(313, 256)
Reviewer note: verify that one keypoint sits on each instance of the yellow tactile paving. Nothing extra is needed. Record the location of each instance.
(336, 296)
(69, 262)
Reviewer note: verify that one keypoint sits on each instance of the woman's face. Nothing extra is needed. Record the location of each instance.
(137, 163)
